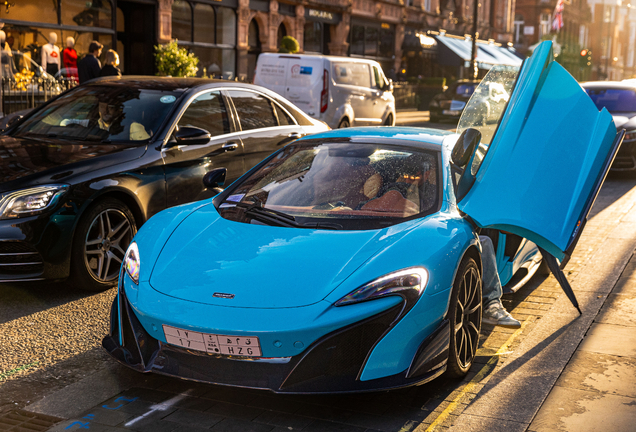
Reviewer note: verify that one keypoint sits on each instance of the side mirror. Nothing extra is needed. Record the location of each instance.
(389, 86)
(215, 178)
(466, 144)
(190, 135)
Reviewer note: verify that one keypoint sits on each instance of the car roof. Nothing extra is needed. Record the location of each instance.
(321, 56)
(168, 83)
(608, 85)
(424, 135)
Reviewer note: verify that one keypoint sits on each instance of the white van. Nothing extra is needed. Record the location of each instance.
(341, 91)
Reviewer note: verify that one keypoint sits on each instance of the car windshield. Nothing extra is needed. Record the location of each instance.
(339, 186)
(108, 113)
(465, 89)
(615, 100)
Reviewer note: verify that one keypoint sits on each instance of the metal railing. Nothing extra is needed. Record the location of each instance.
(21, 93)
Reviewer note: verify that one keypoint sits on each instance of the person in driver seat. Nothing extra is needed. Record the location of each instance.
(111, 119)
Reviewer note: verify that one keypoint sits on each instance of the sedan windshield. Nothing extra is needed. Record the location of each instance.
(314, 184)
(107, 113)
(615, 100)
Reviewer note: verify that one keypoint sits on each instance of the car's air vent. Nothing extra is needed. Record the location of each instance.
(19, 261)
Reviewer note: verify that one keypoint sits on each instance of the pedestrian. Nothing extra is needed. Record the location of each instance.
(494, 312)
(110, 64)
(90, 67)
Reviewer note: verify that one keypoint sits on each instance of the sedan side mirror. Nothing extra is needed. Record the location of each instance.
(215, 178)
(190, 135)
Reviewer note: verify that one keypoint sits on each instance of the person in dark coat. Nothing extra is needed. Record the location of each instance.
(90, 67)
(110, 67)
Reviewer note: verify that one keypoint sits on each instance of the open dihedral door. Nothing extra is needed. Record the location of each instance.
(545, 163)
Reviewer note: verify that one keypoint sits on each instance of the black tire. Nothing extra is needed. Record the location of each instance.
(389, 120)
(464, 314)
(344, 123)
(99, 244)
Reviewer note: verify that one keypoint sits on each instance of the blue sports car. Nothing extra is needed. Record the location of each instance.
(350, 260)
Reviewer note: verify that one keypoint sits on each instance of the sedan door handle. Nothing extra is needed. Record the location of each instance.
(229, 146)
(295, 135)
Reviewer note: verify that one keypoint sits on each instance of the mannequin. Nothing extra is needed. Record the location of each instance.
(5, 55)
(69, 55)
(51, 55)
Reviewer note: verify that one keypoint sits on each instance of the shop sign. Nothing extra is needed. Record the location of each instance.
(322, 16)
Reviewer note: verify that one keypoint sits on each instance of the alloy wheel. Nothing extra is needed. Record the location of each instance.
(108, 237)
(467, 317)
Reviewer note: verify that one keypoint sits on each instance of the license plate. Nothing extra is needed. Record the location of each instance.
(451, 112)
(247, 346)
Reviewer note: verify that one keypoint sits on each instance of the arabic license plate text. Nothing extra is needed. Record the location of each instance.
(247, 346)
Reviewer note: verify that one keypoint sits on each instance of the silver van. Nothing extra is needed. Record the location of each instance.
(340, 91)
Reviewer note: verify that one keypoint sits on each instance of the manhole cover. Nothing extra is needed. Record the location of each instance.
(25, 421)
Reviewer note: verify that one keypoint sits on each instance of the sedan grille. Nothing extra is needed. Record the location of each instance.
(19, 261)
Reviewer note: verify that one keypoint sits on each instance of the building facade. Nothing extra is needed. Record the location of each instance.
(228, 35)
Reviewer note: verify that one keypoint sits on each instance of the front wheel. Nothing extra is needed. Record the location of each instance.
(464, 314)
(100, 243)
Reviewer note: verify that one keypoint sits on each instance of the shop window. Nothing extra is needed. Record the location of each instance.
(387, 42)
(544, 24)
(225, 26)
(282, 32)
(253, 38)
(44, 11)
(312, 40)
(204, 20)
(254, 111)
(95, 13)
(181, 21)
(207, 112)
(357, 40)
(215, 62)
(371, 42)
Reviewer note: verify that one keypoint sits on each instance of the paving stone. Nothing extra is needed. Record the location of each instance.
(384, 423)
(234, 410)
(239, 425)
(326, 426)
(283, 419)
(233, 395)
(472, 423)
(610, 339)
(600, 373)
(194, 418)
(142, 422)
(106, 417)
(283, 403)
(567, 409)
(81, 425)
(154, 425)
(619, 309)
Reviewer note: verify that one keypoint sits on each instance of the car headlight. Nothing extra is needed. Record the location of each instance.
(27, 202)
(408, 283)
(630, 136)
(132, 262)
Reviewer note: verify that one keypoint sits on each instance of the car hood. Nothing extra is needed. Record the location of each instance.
(256, 266)
(625, 120)
(25, 162)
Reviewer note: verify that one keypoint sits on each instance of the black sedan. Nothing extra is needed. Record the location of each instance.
(80, 174)
(450, 104)
(619, 98)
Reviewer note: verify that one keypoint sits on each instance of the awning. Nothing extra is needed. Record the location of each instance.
(454, 51)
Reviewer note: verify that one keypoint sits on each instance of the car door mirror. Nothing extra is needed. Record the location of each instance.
(215, 178)
(388, 86)
(190, 135)
(465, 147)
(462, 159)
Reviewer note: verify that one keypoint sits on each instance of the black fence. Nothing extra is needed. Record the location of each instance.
(22, 93)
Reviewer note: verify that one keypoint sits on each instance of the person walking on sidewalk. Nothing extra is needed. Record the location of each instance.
(90, 67)
(494, 312)
(111, 62)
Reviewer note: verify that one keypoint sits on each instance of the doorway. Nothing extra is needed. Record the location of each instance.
(137, 39)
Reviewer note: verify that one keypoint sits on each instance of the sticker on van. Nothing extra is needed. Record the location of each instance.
(305, 70)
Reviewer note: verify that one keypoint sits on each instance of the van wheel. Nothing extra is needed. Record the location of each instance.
(344, 123)
(389, 120)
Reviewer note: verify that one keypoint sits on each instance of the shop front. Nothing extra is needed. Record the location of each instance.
(318, 30)
(208, 29)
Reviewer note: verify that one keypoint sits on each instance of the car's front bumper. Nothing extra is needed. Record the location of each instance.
(35, 248)
(626, 157)
(331, 364)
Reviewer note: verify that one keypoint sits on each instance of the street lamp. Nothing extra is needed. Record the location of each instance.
(474, 44)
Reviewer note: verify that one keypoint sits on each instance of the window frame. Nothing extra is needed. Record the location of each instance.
(272, 103)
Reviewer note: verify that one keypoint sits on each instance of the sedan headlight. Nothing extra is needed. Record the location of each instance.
(408, 283)
(31, 201)
(132, 262)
